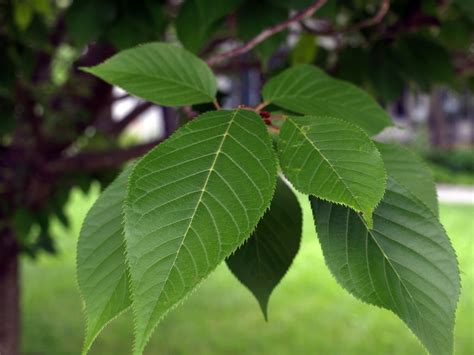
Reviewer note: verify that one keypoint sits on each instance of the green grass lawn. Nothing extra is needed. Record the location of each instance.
(308, 313)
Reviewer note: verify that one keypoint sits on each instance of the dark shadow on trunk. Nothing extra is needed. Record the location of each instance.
(9, 294)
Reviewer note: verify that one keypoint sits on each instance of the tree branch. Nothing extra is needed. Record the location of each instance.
(268, 32)
(95, 161)
(372, 21)
(121, 97)
(376, 19)
(463, 63)
(412, 22)
(117, 127)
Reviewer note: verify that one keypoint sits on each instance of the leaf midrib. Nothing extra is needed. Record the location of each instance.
(211, 169)
(328, 162)
(369, 232)
(166, 79)
(312, 98)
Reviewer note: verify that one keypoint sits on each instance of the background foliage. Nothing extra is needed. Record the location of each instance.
(57, 130)
(417, 42)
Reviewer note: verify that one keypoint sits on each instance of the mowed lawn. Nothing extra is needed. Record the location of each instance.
(308, 313)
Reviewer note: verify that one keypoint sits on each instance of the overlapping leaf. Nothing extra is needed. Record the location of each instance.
(333, 160)
(410, 171)
(191, 202)
(308, 90)
(405, 263)
(262, 261)
(101, 268)
(161, 73)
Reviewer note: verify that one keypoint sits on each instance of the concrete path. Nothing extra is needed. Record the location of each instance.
(462, 194)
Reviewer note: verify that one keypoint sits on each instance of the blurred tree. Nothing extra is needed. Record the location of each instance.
(56, 126)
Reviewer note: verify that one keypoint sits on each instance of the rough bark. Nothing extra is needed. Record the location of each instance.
(9, 294)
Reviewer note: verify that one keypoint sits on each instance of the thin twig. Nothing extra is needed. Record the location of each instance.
(120, 97)
(410, 23)
(372, 21)
(117, 127)
(216, 42)
(278, 117)
(189, 112)
(216, 104)
(376, 19)
(268, 32)
(261, 106)
(274, 129)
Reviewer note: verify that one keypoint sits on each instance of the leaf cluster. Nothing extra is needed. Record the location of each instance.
(217, 191)
(51, 107)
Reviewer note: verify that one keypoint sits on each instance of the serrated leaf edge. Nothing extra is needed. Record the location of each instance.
(385, 256)
(369, 219)
(422, 162)
(388, 122)
(87, 345)
(93, 70)
(192, 290)
(265, 311)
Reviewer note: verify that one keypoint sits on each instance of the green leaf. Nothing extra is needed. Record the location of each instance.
(101, 268)
(291, 4)
(350, 58)
(308, 90)
(466, 6)
(384, 72)
(329, 10)
(138, 22)
(424, 61)
(253, 18)
(333, 160)
(7, 78)
(456, 34)
(305, 50)
(87, 19)
(409, 170)
(22, 14)
(161, 73)
(266, 256)
(7, 117)
(191, 202)
(405, 263)
(42, 7)
(197, 20)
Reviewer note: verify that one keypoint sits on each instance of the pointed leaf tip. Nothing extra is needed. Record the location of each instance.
(101, 267)
(263, 260)
(405, 263)
(191, 202)
(308, 90)
(161, 73)
(409, 170)
(264, 308)
(334, 160)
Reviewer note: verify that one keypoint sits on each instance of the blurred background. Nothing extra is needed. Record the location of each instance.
(64, 135)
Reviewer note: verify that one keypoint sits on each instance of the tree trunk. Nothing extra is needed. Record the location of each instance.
(436, 121)
(9, 294)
